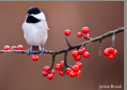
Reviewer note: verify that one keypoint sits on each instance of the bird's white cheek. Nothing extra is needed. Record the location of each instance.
(39, 16)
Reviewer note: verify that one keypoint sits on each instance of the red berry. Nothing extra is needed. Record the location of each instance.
(75, 68)
(19, 47)
(87, 36)
(52, 72)
(111, 50)
(50, 76)
(61, 63)
(67, 32)
(68, 70)
(77, 58)
(61, 73)
(7, 47)
(110, 57)
(79, 64)
(75, 53)
(106, 52)
(72, 74)
(13, 48)
(85, 30)
(80, 51)
(79, 34)
(46, 68)
(57, 67)
(85, 54)
(83, 50)
(78, 73)
(115, 52)
(35, 58)
(44, 73)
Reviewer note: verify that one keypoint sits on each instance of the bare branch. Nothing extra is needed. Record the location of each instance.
(110, 33)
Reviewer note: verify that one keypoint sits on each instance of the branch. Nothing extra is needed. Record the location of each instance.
(110, 33)
(54, 53)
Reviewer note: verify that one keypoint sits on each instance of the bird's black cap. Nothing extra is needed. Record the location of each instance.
(34, 10)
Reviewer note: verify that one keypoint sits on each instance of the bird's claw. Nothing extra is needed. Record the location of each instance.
(28, 52)
(42, 52)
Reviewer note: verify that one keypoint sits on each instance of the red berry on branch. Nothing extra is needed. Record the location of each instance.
(106, 52)
(83, 50)
(52, 72)
(35, 58)
(46, 68)
(78, 73)
(75, 53)
(13, 48)
(68, 70)
(115, 52)
(50, 76)
(44, 73)
(80, 51)
(61, 73)
(111, 50)
(7, 47)
(79, 64)
(75, 68)
(85, 54)
(72, 74)
(77, 58)
(57, 67)
(67, 32)
(110, 57)
(79, 34)
(85, 30)
(61, 63)
(88, 35)
(19, 47)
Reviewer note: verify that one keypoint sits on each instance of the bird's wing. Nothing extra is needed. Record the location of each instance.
(46, 25)
(22, 30)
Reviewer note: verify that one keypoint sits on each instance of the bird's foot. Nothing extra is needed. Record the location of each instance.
(42, 52)
(28, 51)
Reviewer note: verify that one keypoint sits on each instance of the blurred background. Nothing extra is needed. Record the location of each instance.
(20, 72)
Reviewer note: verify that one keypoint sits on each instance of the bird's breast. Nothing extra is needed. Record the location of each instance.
(35, 34)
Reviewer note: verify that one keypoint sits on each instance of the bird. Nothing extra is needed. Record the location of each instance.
(35, 30)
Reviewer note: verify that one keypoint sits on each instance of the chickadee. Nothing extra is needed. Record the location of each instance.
(35, 30)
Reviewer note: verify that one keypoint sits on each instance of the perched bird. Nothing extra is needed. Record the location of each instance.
(35, 30)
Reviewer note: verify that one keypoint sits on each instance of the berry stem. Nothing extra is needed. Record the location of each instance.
(100, 46)
(86, 36)
(53, 61)
(113, 39)
(67, 41)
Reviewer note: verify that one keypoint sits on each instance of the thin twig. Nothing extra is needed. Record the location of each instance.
(86, 36)
(67, 41)
(100, 46)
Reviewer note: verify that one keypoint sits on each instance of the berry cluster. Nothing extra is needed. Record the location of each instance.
(19, 47)
(110, 52)
(84, 30)
(77, 54)
(48, 74)
(72, 72)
